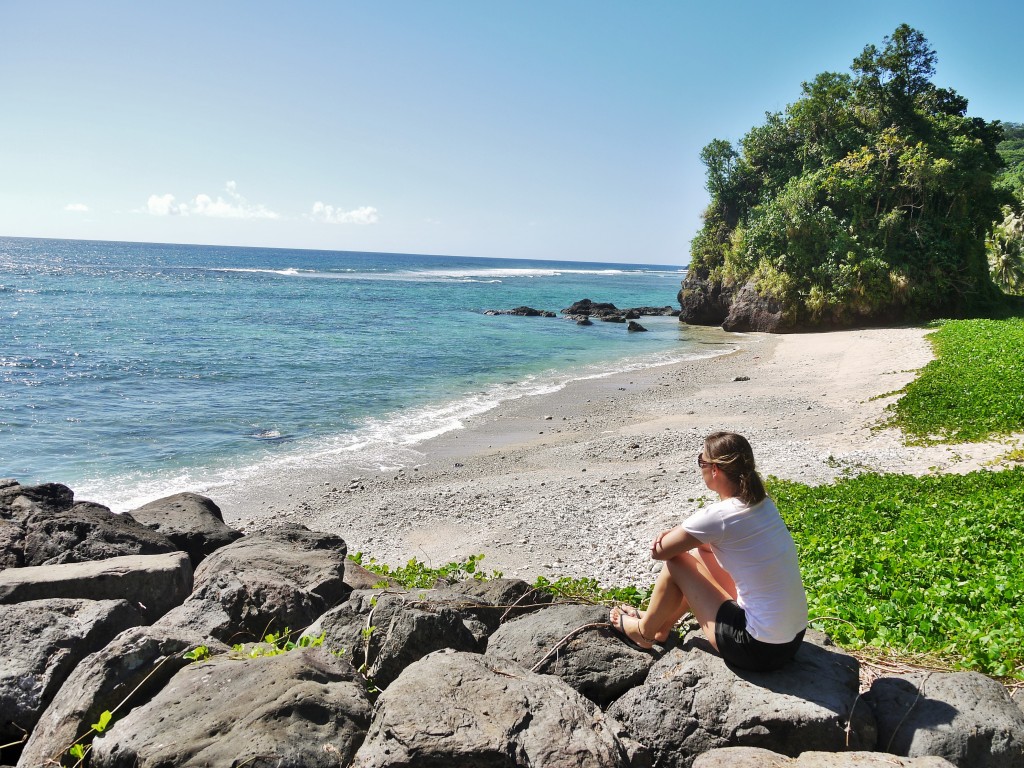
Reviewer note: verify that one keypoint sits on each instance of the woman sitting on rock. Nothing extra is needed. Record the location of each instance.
(733, 565)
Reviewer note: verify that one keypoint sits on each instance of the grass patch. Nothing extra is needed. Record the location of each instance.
(918, 566)
(974, 390)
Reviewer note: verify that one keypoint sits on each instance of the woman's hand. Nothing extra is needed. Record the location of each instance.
(670, 543)
(658, 546)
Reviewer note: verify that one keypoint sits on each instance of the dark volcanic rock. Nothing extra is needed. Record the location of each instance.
(193, 522)
(521, 312)
(965, 717)
(51, 637)
(152, 583)
(462, 710)
(635, 327)
(302, 709)
(131, 669)
(750, 311)
(594, 661)
(18, 501)
(280, 578)
(702, 302)
(87, 531)
(693, 702)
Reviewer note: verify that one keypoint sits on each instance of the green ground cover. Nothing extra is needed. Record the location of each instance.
(973, 390)
(916, 566)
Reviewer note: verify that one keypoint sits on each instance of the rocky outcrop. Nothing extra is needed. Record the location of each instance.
(126, 673)
(965, 717)
(575, 643)
(693, 702)
(740, 309)
(152, 583)
(281, 578)
(193, 523)
(521, 312)
(634, 327)
(585, 310)
(51, 638)
(43, 525)
(474, 673)
(463, 710)
(303, 709)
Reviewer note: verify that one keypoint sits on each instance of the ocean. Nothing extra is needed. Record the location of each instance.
(129, 371)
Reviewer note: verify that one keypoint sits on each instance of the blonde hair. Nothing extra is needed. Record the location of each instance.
(732, 454)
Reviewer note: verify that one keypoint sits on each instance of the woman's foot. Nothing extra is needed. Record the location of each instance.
(626, 620)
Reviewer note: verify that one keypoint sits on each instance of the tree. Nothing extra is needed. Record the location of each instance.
(1006, 252)
(868, 200)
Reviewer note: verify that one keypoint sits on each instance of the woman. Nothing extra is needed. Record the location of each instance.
(733, 565)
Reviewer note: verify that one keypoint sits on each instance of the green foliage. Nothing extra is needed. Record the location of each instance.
(104, 721)
(199, 653)
(1006, 252)
(418, 575)
(916, 565)
(1011, 150)
(868, 199)
(973, 389)
(274, 644)
(589, 591)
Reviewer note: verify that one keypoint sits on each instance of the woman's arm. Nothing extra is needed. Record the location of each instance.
(670, 543)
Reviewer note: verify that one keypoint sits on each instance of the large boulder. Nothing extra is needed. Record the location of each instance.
(965, 717)
(703, 302)
(18, 501)
(281, 578)
(575, 643)
(153, 583)
(48, 639)
(463, 710)
(128, 672)
(194, 523)
(12, 544)
(693, 702)
(754, 757)
(302, 709)
(87, 531)
(750, 311)
(389, 629)
(385, 631)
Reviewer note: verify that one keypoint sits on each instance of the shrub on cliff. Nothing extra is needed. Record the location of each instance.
(867, 200)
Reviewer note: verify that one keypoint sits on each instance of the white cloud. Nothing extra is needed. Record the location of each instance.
(163, 205)
(234, 207)
(77, 207)
(331, 215)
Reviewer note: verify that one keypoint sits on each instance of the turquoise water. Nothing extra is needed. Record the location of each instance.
(128, 370)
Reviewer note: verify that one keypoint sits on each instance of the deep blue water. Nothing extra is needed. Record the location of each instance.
(128, 369)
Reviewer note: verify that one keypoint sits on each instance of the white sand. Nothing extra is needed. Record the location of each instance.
(578, 482)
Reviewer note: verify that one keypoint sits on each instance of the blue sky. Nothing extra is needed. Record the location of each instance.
(555, 129)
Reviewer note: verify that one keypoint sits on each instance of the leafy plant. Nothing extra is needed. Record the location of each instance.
(974, 389)
(916, 565)
(199, 653)
(274, 644)
(418, 575)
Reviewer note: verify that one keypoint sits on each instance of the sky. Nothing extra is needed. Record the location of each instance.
(543, 129)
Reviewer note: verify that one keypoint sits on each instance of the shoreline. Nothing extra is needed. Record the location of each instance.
(577, 482)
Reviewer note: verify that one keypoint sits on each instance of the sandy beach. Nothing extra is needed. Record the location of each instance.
(577, 482)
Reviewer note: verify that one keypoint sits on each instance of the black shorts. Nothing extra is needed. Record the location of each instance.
(740, 649)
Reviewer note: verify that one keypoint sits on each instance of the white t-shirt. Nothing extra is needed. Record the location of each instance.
(755, 547)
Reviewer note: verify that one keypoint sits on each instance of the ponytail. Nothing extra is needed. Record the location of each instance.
(732, 454)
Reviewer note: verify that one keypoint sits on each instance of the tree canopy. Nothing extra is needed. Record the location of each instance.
(868, 200)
